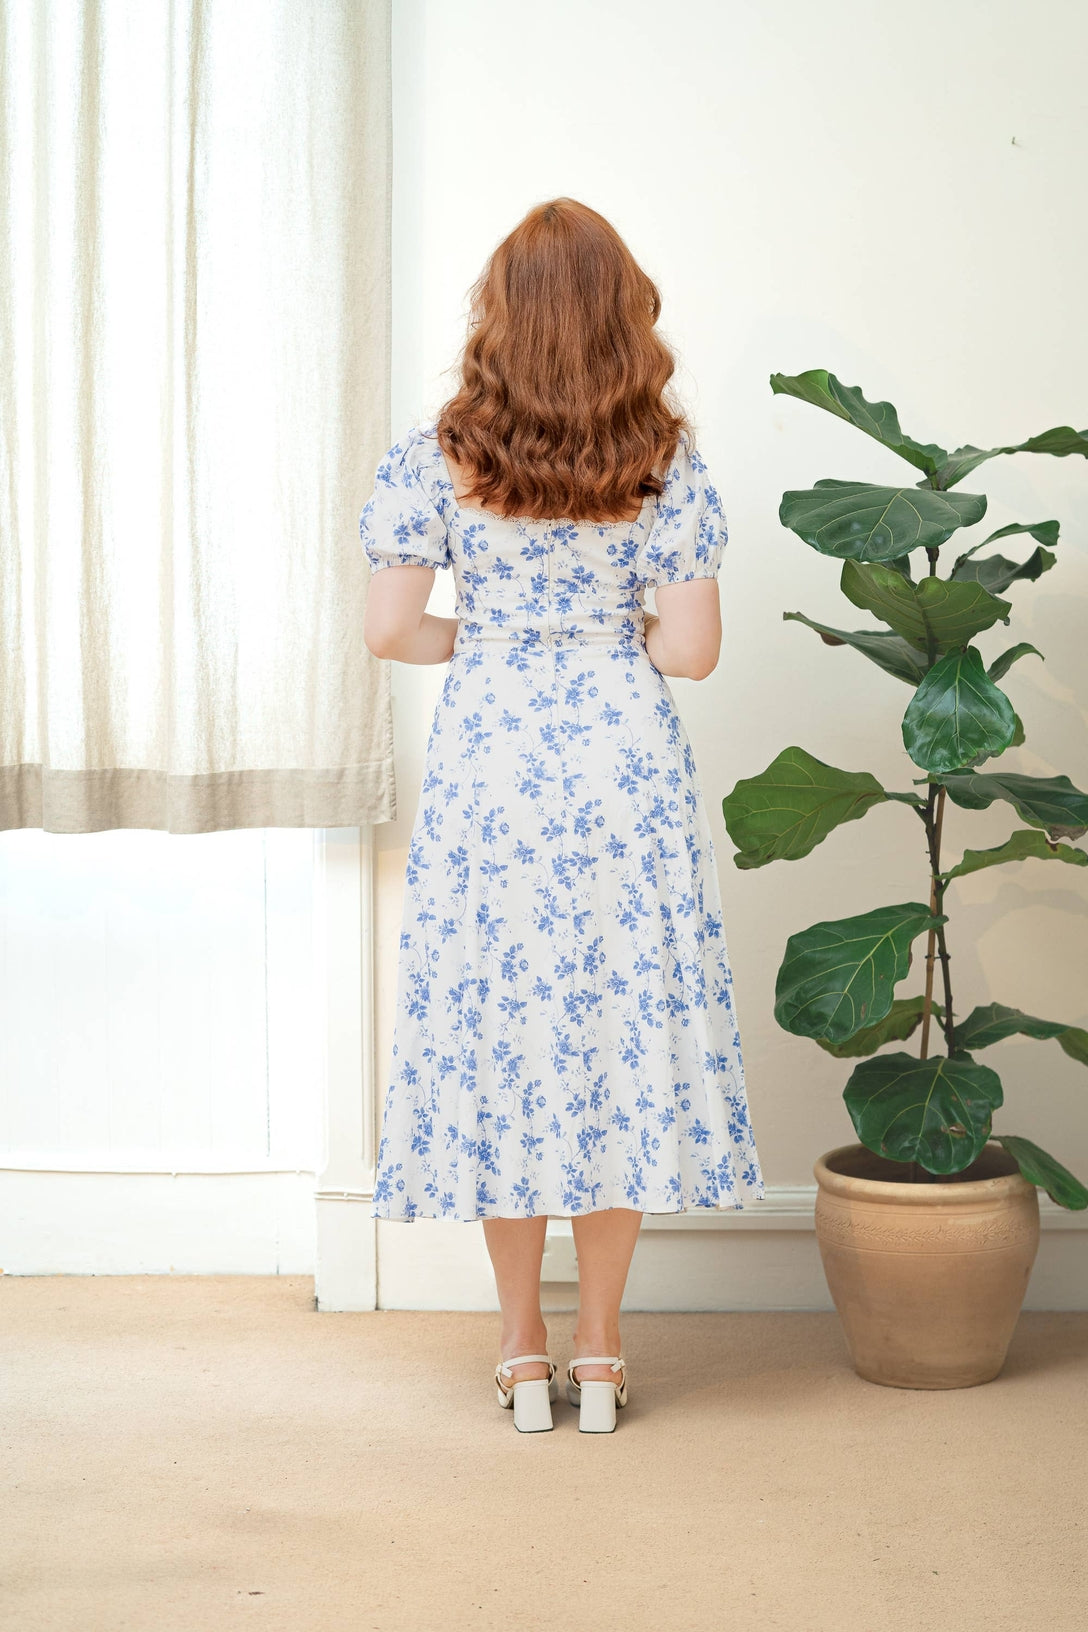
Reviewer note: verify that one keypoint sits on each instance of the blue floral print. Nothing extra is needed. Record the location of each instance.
(565, 1033)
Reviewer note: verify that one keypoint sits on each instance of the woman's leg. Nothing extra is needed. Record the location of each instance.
(605, 1243)
(516, 1246)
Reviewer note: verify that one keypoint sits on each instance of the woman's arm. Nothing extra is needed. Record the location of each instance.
(684, 637)
(395, 623)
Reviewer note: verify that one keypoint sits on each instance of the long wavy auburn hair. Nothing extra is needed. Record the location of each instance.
(562, 410)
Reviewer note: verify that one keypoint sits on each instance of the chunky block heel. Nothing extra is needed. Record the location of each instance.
(597, 1407)
(596, 1398)
(531, 1399)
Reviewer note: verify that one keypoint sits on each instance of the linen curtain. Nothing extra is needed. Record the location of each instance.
(194, 362)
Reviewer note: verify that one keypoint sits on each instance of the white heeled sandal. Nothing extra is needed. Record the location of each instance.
(597, 1398)
(532, 1398)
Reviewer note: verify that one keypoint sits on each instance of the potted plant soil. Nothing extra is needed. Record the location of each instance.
(928, 1226)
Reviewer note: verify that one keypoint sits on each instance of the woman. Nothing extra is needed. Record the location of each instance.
(566, 1043)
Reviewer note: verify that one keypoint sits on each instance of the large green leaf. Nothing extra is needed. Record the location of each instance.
(997, 572)
(901, 1020)
(931, 614)
(790, 807)
(866, 523)
(840, 975)
(1060, 441)
(1025, 844)
(876, 419)
(887, 650)
(1040, 1168)
(957, 716)
(1043, 532)
(1001, 665)
(1050, 802)
(936, 1111)
(993, 1022)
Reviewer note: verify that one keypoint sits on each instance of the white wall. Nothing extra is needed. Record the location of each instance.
(895, 194)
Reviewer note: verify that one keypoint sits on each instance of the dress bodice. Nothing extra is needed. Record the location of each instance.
(530, 585)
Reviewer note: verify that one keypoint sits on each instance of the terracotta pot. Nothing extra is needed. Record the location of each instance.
(928, 1279)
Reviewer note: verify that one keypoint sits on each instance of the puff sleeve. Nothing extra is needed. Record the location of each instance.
(401, 524)
(688, 532)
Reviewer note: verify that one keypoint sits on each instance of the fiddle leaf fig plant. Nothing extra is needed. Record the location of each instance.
(837, 981)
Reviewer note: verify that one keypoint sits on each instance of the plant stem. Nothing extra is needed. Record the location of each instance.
(942, 945)
(933, 817)
(931, 938)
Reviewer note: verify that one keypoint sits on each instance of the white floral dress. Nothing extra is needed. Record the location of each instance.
(565, 1033)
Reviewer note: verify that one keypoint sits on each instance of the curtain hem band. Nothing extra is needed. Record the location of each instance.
(97, 801)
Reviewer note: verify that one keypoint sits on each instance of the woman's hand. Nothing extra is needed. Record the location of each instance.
(649, 622)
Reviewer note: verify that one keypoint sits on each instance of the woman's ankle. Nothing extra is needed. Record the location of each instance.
(526, 1338)
(603, 1340)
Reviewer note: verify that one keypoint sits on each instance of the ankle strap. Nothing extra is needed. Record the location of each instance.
(616, 1361)
(518, 1359)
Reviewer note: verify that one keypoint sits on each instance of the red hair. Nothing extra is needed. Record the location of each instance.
(562, 409)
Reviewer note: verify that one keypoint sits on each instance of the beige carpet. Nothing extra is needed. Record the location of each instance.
(203, 1453)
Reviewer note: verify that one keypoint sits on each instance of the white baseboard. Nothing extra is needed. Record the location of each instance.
(765, 1256)
(265, 1220)
(93, 1221)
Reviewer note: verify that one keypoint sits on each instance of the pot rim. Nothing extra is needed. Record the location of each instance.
(951, 1193)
